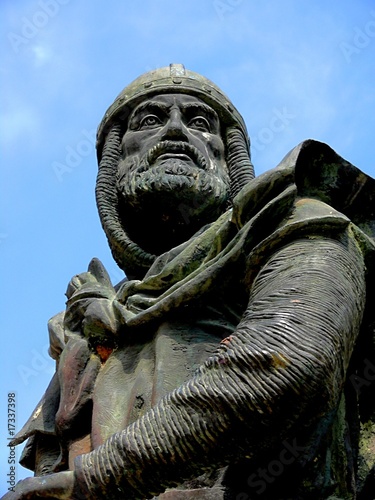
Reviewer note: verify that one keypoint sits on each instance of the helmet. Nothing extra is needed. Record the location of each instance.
(170, 79)
(133, 259)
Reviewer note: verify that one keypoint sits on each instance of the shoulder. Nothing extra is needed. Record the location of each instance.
(320, 173)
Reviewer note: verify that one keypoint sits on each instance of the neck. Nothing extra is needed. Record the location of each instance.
(157, 232)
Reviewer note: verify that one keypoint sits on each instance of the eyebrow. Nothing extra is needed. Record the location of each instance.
(201, 106)
(188, 105)
(149, 104)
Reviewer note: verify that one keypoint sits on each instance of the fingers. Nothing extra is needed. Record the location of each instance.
(92, 291)
(100, 320)
(96, 275)
(25, 490)
(78, 281)
(54, 487)
(22, 491)
(97, 269)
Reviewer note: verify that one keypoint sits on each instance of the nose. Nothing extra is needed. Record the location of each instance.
(174, 129)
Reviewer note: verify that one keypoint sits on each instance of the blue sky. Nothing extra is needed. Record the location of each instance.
(64, 62)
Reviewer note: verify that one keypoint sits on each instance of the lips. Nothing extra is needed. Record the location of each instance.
(180, 156)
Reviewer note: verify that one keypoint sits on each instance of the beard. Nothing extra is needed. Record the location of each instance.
(171, 190)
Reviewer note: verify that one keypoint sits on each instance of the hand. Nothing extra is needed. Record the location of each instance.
(90, 308)
(60, 486)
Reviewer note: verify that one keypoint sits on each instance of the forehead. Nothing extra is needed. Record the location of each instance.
(170, 100)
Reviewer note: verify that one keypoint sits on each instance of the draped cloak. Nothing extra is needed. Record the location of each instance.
(190, 303)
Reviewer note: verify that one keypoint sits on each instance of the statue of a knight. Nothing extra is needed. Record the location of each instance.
(236, 358)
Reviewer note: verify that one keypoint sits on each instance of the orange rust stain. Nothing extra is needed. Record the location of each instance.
(103, 352)
(227, 340)
(280, 361)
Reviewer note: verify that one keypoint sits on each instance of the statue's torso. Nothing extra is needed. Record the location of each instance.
(137, 375)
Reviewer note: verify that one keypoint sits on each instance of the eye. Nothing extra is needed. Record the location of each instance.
(200, 123)
(150, 121)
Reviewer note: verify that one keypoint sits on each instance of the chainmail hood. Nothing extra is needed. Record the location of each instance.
(171, 79)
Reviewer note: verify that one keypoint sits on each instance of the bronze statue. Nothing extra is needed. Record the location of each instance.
(236, 359)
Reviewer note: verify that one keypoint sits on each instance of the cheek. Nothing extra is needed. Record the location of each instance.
(138, 143)
(129, 145)
(214, 146)
(133, 143)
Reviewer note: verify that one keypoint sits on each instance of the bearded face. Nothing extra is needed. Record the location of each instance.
(173, 169)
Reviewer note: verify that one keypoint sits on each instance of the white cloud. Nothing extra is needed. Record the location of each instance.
(42, 54)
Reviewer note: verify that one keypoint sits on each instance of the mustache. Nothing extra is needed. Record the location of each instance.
(178, 147)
